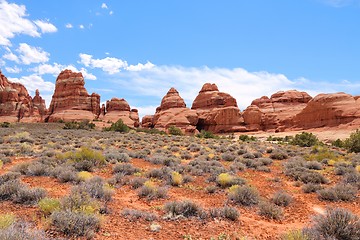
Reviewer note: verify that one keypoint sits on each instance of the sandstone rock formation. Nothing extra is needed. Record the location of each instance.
(329, 110)
(71, 101)
(147, 121)
(17, 105)
(275, 113)
(173, 112)
(117, 109)
(218, 112)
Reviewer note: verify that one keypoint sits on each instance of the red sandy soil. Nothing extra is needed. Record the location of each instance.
(250, 224)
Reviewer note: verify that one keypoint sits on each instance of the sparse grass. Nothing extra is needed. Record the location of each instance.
(49, 205)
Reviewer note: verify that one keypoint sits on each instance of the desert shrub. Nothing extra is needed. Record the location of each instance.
(134, 215)
(5, 124)
(313, 177)
(137, 182)
(338, 143)
(20, 137)
(295, 235)
(305, 139)
(211, 189)
(125, 169)
(79, 201)
(185, 208)
(281, 198)
(343, 168)
(8, 177)
(37, 169)
(237, 166)
(150, 131)
(75, 223)
(175, 131)
(311, 187)
(247, 138)
(65, 174)
(352, 178)
(119, 126)
(26, 195)
(278, 155)
(151, 191)
(6, 220)
(176, 179)
(22, 230)
(313, 165)
(9, 189)
(84, 175)
(84, 159)
(49, 205)
(225, 180)
(270, 211)
(226, 212)
(244, 195)
(86, 124)
(336, 224)
(206, 134)
(352, 144)
(228, 156)
(96, 188)
(340, 192)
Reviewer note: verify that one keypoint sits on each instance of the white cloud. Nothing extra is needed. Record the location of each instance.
(56, 68)
(140, 67)
(45, 26)
(104, 6)
(13, 70)
(34, 82)
(14, 20)
(69, 25)
(11, 57)
(111, 12)
(108, 64)
(29, 54)
(81, 26)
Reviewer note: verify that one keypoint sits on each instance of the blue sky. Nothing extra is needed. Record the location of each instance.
(138, 49)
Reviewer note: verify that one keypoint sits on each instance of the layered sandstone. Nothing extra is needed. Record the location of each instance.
(117, 109)
(173, 112)
(17, 105)
(71, 101)
(275, 113)
(218, 111)
(329, 110)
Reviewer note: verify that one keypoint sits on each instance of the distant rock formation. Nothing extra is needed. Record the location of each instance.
(275, 113)
(329, 110)
(17, 105)
(218, 112)
(117, 109)
(147, 121)
(173, 112)
(71, 101)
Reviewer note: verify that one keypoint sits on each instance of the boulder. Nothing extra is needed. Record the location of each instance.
(173, 112)
(275, 113)
(147, 121)
(329, 110)
(71, 101)
(218, 112)
(16, 105)
(117, 109)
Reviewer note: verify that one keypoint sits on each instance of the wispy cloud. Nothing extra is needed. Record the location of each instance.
(45, 26)
(104, 6)
(69, 25)
(341, 3)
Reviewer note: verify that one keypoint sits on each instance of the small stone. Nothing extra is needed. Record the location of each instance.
(155, 227)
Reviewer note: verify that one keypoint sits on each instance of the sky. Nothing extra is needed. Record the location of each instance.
(139, 49)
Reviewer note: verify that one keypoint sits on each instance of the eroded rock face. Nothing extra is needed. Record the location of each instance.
(147, 121)
(118, 108)
(218, 112)
(71, 101)
(17, 105)
(173, 112)
(277, 112)
(329, 110)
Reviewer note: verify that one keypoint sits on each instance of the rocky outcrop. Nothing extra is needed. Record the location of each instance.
(218, 112)
(329, 110)
(17, 105)
(117, 109)
(147, 121)
(275, 113)
(71, 101)
(173, 112)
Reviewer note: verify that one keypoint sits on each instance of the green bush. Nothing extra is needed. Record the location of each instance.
(338, 143)
(84, 159)
(295, 235)
(247, 138)
(175, 131)
(352, 144)
(6, 220)
(206, 134)
(119, 126)
(49, 205)
(86, 124)
(305, 139)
